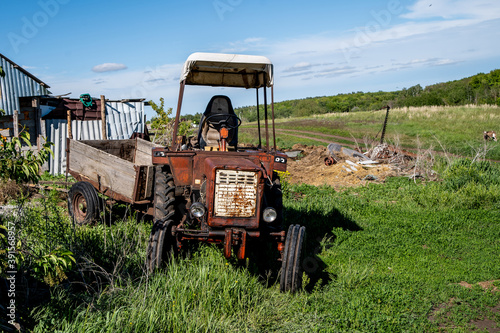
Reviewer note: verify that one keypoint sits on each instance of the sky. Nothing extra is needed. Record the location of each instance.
(136, 49)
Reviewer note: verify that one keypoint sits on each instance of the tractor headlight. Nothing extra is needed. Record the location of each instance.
(269, 215)
(197, 209)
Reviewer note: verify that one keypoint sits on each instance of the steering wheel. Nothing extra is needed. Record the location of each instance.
(218, 120)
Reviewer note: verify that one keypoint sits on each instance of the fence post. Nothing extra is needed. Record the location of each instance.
(70, 132)
(103, 117)
(16, 123)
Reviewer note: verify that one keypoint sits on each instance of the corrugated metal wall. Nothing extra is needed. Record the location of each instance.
(57, 130)
(122, 120)
(16, 84)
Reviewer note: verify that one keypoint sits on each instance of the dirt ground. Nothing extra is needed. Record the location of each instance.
(310, 168)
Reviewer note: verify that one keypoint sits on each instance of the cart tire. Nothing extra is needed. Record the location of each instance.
(291, 268)
(83, 203)
(161, 242)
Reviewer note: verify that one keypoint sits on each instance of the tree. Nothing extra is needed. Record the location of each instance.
(162, 124)
(2, 73)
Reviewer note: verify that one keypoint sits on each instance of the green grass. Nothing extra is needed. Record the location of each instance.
(380, 258)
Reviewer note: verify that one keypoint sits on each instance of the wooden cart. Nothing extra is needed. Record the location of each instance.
(120, 169)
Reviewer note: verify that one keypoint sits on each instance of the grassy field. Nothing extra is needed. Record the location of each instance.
(380, 258)
(456, 130)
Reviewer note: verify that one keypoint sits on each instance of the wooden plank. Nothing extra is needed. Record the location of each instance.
(68, 116)
(124, 149)
(143, 153)
(110, 171)
(150, 171)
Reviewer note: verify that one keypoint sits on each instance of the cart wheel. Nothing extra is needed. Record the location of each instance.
(161, 242)
(291, 268)
(83, 203)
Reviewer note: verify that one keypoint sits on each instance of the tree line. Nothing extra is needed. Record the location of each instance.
(478, 89)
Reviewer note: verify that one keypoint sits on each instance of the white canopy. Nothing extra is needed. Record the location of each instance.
(227, 70)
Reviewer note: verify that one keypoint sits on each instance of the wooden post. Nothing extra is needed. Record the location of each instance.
(35, 104)
(385, 124)
(70, 132)
(103, 117)
(16, 123)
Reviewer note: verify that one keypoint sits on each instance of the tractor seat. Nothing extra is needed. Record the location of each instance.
(210, 137)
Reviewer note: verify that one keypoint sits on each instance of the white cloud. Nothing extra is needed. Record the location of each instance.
(253, 44)
(299, 67)
(108, 67)
(455, 9)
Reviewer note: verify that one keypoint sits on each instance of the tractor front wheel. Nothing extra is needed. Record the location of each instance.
(291, 268)
(161, 242)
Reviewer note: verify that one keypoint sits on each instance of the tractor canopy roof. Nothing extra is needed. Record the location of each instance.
(227, 70)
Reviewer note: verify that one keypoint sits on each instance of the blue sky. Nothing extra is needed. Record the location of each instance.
(136, 49)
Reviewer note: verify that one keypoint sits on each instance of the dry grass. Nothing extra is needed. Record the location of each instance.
(9, 190)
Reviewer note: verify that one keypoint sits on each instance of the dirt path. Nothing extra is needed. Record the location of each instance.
(291, 132)
(319, 134)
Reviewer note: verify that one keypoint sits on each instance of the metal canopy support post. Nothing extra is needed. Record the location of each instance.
(177, 116)
(258, 118)
(265, 115)
(272, 111)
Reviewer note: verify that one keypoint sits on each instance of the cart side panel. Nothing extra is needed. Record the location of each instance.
(109, 171)
(124, 149)
(143, 152)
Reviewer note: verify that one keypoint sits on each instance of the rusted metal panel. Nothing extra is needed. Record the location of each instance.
(212, 165)
(235, 193)
(181, 165)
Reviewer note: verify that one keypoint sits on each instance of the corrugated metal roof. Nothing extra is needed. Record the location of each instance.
(17, 83)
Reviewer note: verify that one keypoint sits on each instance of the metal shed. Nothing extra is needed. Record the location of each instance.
(17, 82)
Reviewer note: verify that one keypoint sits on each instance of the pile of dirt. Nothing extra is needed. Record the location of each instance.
(310, 168)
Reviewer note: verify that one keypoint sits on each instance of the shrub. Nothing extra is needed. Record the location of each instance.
(20, 166)
(464, 171)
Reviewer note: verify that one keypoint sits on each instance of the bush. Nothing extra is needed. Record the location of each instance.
(19, 166)
(464, 171)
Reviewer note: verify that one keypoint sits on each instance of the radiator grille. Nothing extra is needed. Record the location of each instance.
(235, 193)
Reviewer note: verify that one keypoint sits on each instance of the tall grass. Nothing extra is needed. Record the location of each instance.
(380, 258)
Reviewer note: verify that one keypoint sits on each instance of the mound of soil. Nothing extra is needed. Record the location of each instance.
(310, 168)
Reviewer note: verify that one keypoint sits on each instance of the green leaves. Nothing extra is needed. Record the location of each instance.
(18, 165)
(52, 267)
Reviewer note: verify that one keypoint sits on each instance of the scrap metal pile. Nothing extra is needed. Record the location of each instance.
(339, 166)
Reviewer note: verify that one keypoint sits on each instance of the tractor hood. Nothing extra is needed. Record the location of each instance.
(227, 70)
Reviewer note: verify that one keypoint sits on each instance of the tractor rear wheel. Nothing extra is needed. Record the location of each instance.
(83, 203)
(161, 242)
(291, 268)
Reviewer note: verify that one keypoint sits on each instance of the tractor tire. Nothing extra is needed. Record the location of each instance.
(161, 242)
(83, 203)
(291, 268)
